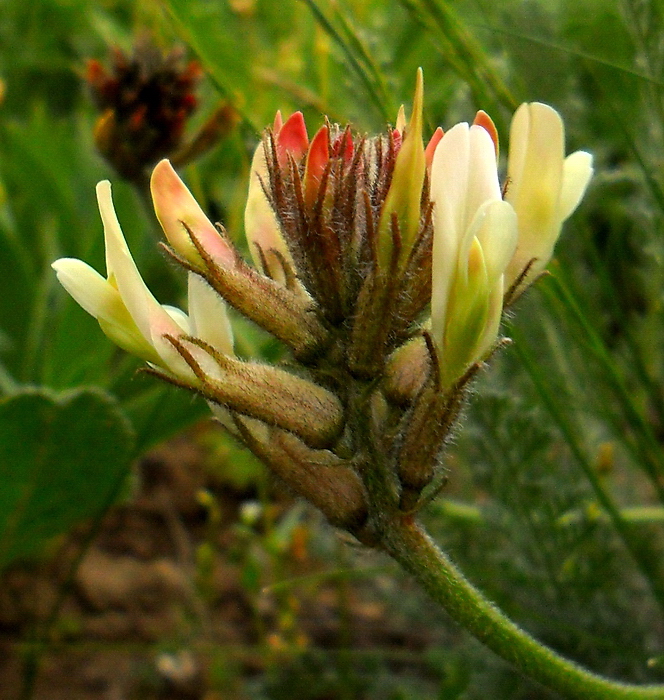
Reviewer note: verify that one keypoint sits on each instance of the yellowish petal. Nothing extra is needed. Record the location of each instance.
(498, 236)
(88, 288)
(102, 300)
(535, 168)
(577, 171)
(535, 179)
(177, 210)
(483, 184)
(449, 185)
(150, 317)
(405, 193)
(209, 316)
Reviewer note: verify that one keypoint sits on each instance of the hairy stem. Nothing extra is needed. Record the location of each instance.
(404, 540)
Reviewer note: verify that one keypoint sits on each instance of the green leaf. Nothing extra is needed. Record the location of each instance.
(62, 459)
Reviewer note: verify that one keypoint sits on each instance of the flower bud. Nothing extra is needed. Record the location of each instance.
(407, 371)
(266, 393)
(321, 477)
(284, 311)
(404, 197)
(426, 428)
(265, 241)
(178, 213)
(484, 120)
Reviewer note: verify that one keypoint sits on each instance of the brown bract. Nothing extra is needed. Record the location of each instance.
(328, 204)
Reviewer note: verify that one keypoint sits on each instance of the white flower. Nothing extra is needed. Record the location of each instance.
(127, 311)
(101, 299)
(474, 240)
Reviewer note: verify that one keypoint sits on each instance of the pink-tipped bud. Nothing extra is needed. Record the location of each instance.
(278, 122)
(401, 120)
(178, 213)
(484, 120)
(397, 139)
(317, 160)
(431, 146)
(343, 146)
(292, 138)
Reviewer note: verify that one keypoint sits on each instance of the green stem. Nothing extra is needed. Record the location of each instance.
(406, 542)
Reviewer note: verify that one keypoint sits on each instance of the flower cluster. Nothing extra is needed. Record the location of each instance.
(383, 265)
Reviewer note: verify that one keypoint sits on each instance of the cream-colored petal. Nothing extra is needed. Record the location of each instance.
(126, 336)
(483, 184)
(469, 240)
(177, 209)
(535, 177)
(449, 187)
(536, 155)
(122, 269)
(209, 316)
(181, 319)
(88, 288)
(577, 171)
(205, 362)
(518, 142)
(150, 317)
(498, 236)
(449, 179)
(102, 300)
(495, 226)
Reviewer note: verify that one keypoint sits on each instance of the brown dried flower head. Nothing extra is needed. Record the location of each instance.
(146, 100)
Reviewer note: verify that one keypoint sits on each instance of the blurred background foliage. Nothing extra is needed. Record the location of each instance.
(555, 501)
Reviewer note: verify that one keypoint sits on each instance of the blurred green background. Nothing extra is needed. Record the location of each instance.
(555, 501)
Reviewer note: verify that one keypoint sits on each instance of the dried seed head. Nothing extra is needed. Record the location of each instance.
(146, 100)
